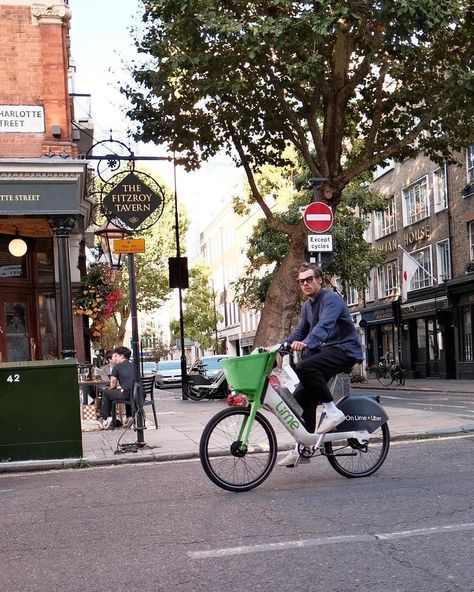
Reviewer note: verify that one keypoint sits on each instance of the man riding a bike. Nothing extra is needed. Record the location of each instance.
(328, 340)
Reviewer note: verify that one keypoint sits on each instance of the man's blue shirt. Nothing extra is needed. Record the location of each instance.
(335, 326)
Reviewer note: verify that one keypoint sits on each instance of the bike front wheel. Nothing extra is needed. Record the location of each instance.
(226, 462)
(384, 375)
(352, 459)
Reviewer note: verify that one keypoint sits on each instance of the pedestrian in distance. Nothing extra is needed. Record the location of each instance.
(327, 339)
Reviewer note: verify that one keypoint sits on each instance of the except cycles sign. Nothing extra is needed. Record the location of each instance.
(318, 217)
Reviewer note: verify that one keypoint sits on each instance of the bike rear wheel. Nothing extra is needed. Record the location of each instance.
(222, 457)
(195, 394)
(351, 459)
(384, 375)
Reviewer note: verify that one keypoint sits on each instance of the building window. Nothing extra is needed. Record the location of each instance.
(352, 295)
(386, 221)
(440, 189)
(470, 163)
(471, 239)
(423, 277)
(444, 260)
(416, 202)
(370, 290)
(388, 279)
(466, 335)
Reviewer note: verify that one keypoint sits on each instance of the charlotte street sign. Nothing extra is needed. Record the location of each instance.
(132, 201)
(318, 217)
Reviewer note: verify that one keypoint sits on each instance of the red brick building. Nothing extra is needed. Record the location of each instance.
(42, 186)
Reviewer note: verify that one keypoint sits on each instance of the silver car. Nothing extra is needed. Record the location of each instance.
(168, 373)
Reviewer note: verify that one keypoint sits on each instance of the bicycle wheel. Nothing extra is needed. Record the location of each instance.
(225, 462)
(384, 375)
(195, 394)
(352, 459)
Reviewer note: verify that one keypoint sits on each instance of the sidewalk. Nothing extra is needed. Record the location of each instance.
(181, 424)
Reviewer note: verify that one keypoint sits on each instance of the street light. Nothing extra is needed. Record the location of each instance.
(107, 233)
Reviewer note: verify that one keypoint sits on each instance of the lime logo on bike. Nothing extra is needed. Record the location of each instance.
(287, 416)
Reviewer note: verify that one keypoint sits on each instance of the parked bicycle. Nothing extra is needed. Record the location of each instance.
(238, 446)
(388, 371)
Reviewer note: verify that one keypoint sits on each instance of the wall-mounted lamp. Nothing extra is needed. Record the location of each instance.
(107, 233)
(17, 246)
(56, 131)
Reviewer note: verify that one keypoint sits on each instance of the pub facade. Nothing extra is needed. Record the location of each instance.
(44, 212)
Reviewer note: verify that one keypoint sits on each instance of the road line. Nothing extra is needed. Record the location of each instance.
(336, 540)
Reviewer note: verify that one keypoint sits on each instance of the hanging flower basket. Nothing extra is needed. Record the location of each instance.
(99, 298)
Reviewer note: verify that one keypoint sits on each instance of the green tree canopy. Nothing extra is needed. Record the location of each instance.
(348, 84)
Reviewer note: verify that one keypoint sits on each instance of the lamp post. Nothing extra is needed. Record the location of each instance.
(107, 233)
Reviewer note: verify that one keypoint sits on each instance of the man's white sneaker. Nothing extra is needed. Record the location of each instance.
(106, 423)
(294, 458)
(330, 421)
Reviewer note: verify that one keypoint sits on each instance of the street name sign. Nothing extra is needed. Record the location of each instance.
(319, 242)
(318, 217)
(132, 201)
(129, 245)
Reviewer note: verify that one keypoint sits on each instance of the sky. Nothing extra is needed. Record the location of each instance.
(100, 42)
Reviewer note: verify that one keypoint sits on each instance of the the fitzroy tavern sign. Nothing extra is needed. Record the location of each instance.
(132, 201)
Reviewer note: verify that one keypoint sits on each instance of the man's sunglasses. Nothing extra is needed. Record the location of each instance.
(306, 280)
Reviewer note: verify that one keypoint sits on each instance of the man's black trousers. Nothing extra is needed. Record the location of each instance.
(314, 372)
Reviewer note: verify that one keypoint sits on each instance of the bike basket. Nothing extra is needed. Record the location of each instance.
(247, 373)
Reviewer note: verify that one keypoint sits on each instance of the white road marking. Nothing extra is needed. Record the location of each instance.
(335, 540)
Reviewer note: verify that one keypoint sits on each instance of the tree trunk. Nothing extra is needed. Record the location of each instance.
(282, 303)
(124, 315)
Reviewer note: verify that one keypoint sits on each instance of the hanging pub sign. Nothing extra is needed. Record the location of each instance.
(132, 201)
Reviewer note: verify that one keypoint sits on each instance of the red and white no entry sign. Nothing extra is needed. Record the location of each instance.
(318, 216)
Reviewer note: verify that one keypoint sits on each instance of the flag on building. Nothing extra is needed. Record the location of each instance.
(409, 267)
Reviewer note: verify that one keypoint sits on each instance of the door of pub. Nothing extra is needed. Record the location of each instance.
(17, 330)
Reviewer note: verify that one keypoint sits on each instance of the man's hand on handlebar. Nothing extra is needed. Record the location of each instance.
(298, 346)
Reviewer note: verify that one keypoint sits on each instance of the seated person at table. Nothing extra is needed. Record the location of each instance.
(106, 371)
(121, 385)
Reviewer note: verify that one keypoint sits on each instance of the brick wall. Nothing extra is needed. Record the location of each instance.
(34, 53)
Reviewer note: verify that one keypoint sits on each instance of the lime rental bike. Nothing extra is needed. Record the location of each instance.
(238, 447)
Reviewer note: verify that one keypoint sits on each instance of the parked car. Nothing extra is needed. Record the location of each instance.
(168, 373)
(148, 368)
(211, 364)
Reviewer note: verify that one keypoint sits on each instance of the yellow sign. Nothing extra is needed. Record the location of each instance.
(129, 245)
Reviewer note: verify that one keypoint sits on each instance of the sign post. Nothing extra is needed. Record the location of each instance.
(318, 217)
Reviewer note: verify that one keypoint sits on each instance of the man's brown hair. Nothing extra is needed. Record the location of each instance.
(311, 266)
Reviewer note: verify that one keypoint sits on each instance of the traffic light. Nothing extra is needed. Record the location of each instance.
(178, 272)
(397, 312)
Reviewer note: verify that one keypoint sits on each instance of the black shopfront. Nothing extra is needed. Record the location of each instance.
(41, 207)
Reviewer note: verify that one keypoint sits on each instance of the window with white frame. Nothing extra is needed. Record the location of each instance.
(368, 230)
(415, 202)
(370, 290)
(471, 239)
(388, 279)
(444, 260)
(352, 296)
(386, 221)
(440, 189)
(470, 163)
(423, 275)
